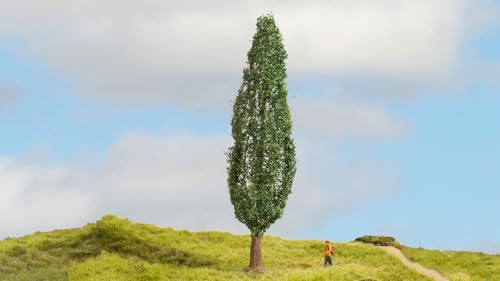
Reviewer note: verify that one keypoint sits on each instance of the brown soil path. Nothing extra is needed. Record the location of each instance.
(415, 266)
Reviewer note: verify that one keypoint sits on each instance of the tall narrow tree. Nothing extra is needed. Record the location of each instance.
(261, 163)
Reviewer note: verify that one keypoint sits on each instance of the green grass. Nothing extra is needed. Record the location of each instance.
(115, 249)
(379, 241)
(458, 266)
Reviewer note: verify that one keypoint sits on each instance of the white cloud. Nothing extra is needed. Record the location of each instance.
(337, 118)
(10, 93)
(192, 52)
(177, 53)
(396, 39)
(36, 198)
(177, 181)
(483, 17)
(327, 184)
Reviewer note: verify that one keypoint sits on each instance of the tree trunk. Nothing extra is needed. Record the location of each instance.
(256, 255)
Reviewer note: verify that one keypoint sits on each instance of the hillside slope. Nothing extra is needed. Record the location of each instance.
(457, 266)
(117, 249)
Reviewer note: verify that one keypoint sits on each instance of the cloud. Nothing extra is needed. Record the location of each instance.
(176, 180)
(339, 118)
(327, 184)
(36, 198)
(191, 53)
(483, 17)
(169, 52)
(10, 93)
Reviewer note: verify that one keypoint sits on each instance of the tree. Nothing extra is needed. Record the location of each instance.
(261, 162)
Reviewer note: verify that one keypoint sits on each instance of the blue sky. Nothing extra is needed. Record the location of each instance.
(128, 112)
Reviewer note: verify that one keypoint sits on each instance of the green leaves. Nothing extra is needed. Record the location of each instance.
(261, 163)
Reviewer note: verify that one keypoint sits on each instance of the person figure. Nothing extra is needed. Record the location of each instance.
(329, 250)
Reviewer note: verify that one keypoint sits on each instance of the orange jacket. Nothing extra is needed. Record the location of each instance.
(329, 249)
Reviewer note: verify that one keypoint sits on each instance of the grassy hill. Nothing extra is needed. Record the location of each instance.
(115, 249)
(457, 266)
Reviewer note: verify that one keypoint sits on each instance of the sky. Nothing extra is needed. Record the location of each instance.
(124, 107)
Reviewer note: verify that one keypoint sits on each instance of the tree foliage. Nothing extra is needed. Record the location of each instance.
(261, 163)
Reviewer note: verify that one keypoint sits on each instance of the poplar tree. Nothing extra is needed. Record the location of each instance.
(261, 162)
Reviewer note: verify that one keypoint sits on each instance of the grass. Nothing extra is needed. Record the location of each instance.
(458, 266)
(115, 249)
(379, 241)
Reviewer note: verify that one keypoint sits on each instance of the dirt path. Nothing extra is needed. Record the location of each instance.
(415, 266)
